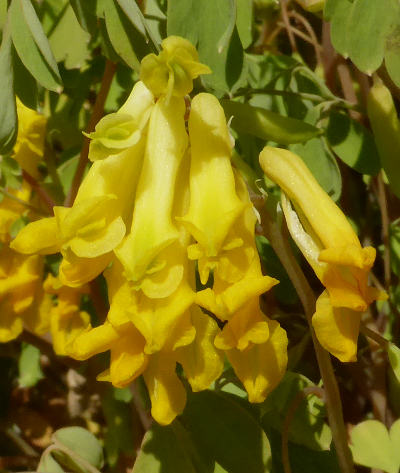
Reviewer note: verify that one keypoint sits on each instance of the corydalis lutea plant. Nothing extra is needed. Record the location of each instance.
(156, 201)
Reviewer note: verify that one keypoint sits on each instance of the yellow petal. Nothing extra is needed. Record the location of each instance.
(246, 327)
(93, 341)
(336, 328)
(157, 319)
(324, 216)
(167, 394)
(11, 325)
(152, 225)
(64, 330)
(128, 360)
(40, 237)
(28, 150)
(119, 131)
(261, 367)
(75, 271)
(202, 362)
(214, 204)
(171, 73)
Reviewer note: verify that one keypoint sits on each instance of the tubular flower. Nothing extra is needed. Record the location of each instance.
(171, 73)
(214, 204)
(147, 248)
(87, 232)
(330, 245)
(222, 220)
(22, 301)
(66, 318)
(28, 150)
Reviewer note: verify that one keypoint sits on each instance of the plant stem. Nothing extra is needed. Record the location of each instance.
(98, 110)
(294, 405)
(280, 243)
(43, 195)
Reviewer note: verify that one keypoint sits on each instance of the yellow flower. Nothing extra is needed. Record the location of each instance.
(87, 232)
(66, 318)
(22, 301)
(128, 361)
(147, 249)
(330, 245)
(29, 148)
(171, 73)
(214, 203)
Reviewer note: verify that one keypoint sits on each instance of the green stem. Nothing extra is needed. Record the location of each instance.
(280, 243)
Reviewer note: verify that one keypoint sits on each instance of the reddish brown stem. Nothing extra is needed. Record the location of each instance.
(43, 195)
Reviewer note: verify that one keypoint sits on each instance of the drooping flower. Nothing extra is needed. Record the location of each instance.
(29, 147)
(87, 232)
(214, 204)
(330, 245)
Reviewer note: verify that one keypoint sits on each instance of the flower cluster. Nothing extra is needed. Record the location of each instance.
(160, 200)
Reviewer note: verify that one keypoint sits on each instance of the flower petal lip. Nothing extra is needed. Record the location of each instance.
(171, 73)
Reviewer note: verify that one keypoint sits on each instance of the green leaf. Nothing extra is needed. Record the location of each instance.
(25, 85)
(322, 164)
(392, 55)
(395, 247)
(49, 465)
(10, 173)
(338, 12)
(302, 460)
(373, 446)
(394, 359)
(133, 12)
(81, 442)
(118, 414)
(284, 291)
(268, 125)
(163, 451)
(124, 38)
(8, 108)
(226, 434)
(182, 19)
(30, 371)
(264, 69)
(212, 25)
(369, 24)
(3, 14)
(244, 21)
(308, 427)
(85, 11)
(75, 51)
(353, 143)
(32, 45)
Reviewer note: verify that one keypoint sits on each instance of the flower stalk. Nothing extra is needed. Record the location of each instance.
(280, 244)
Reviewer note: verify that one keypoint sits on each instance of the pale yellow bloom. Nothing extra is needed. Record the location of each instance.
(214, 203)
(29, 147)
(171, 73)
(330, 245)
